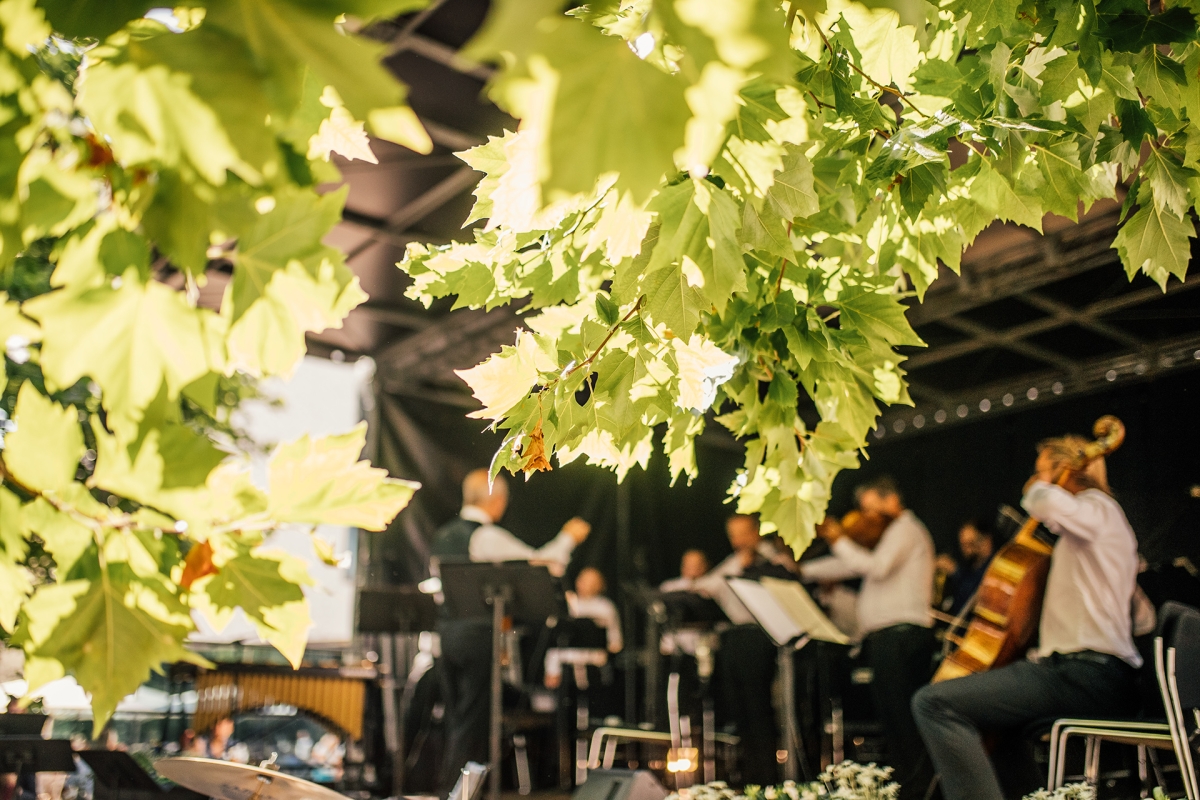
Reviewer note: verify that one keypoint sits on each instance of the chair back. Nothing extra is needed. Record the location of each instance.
(1185, 638)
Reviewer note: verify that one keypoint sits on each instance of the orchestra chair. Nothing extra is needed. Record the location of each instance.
(1143, 734)
(1182, 677)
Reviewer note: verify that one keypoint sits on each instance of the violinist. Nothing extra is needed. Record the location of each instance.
(1085, 662)
(893, 615)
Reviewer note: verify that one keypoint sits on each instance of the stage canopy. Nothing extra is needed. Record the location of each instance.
(1038, 335)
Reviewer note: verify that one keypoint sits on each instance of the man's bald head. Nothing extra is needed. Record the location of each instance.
(491, 499)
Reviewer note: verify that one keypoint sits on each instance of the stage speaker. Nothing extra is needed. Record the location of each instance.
(620, 784)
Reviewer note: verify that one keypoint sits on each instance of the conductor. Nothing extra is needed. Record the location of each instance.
(466, 663)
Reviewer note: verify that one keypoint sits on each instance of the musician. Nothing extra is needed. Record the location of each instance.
(466, 655)
(893, 616)
(588, 602)
(692, 566)
(977, 545)
(746, 660)
(1085, 661)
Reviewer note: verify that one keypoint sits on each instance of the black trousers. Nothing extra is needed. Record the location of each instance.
(901, 658)
(952, 714)
(745, 670)
(466, 674)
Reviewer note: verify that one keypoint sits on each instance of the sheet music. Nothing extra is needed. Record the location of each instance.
(804, 611)
(785, 611)
(767, 611)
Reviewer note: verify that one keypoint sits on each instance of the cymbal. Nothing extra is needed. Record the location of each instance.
(226, 780)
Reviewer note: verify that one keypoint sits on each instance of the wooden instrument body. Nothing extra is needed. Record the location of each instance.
(1008, 608)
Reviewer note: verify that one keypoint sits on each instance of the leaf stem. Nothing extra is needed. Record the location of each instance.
(886, 89)
(587, 362)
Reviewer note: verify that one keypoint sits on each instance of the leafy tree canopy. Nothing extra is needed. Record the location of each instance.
(716, 205)
(141, 156)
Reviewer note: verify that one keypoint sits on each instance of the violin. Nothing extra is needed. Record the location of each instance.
(865, 529)
(1008, 605)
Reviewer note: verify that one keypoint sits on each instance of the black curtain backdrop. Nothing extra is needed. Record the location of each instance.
(641, 529)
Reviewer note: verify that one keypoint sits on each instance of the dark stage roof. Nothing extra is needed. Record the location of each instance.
(1030, 319)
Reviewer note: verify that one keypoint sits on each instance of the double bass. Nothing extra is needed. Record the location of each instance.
(1008, 605)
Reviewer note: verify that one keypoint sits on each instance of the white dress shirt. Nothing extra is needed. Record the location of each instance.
(897, 586)
(600, 610)
(490, 542)
(1093, 573)
(712, 584)
(680, 584)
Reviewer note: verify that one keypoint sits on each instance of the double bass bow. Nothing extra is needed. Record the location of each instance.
(1008, 605)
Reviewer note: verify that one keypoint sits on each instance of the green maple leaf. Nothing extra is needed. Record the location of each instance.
(109, 632)
(1156, 242)
(876, 314)
(287, 38)
(214, 60)
(792, 194)
(1065, 183)
(993, 193)
(65, 537)
(151, 117)
(1128, 26)
(44, 451)
(293, 229)
(605, 91)
(128, 337)
(309, 295)
(184, 214)
(93, 18)
(489, 159)
(321, 481)
(266, 586)
(14, 589)
(1168, 180)
(986, 15)
(672, 300)
(1159, 77)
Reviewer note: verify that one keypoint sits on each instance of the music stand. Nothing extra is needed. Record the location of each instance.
(786, 612)
(396, 609)
(395, 613)
(22, 724)
(35, 754)
(514, 589)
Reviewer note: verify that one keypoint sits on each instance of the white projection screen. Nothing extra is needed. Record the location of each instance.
(322, 397)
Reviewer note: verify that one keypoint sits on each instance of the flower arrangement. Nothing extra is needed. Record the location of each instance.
(1071, 791)
(845, 781)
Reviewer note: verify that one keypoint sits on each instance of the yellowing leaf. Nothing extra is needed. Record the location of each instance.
(504, 379)
(321, 481)
(342, 134)
(43, 452)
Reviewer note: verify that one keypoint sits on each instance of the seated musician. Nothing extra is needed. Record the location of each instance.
(692, 566)
(1086, 660)
(977, 545)
(588, 602)
(893, 616)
